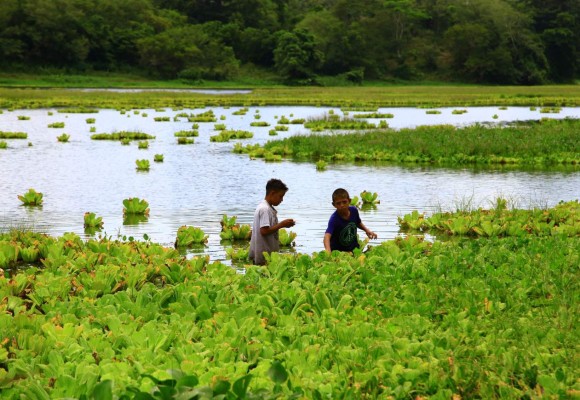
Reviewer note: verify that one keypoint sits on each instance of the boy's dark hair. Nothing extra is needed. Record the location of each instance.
(275, 184)
(340, 193)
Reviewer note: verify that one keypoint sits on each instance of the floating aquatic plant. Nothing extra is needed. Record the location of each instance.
(134, 205)
(23, 118)
(63, 138)
(90, 120)
(286, 238)
(142, 165)
(374, 115)
(161, 119)
(236, 232)
(13, 135)
(321, 165)
(369, 198)
(31, 198)
(259, 123)
(122, 135)
(190, 235)
(185, 140)
(144, 144)
(158, 158)
(272, 132)
(56, 125)
(228, 222)
(238, 253)
(3, 144)
(92, 221)
(190, 133)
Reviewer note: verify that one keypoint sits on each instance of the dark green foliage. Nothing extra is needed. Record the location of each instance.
(484, 41)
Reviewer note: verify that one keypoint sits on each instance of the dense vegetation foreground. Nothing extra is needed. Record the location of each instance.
(491, 317)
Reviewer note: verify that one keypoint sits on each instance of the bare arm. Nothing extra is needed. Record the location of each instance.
(327, 242)
(370, 234)
(268, 230)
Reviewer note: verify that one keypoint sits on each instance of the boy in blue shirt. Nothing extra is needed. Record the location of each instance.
(341, 233)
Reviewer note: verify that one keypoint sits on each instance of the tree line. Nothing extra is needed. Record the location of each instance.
(480, 41)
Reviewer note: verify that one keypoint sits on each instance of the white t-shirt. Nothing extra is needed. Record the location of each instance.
(265, 215)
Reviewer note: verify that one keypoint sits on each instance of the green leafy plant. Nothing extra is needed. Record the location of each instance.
(90, 120)
(3, 144)
(236, 232)
(228, 222)
(321, 165)
(144, 144)
(190, 235)
(92, 221)
(23, 118)
(161, 119)
(56, 125)
(128, 135)
(185, 140)
(13, 135)
(142, 165)
(31, 198)
(134, 205)
(186, 133)
(369, 198)
(286, 238)
(63, 138)
(238, 253)
(158, 158)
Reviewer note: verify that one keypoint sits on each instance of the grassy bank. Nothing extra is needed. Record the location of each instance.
(485, 318)
(549, 142)
(365, 96)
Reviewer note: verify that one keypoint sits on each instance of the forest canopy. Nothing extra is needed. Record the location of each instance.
(478, 41)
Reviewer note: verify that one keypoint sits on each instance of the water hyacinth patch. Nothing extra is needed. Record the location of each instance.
(236, 232)
(31, 198)
(498, 221)
(134, 205)
(3, 144)
(190, 133)
(388, 323)
(127, 135)
(161, 119)
(286, 238)
(63, 138)
(228, 222)
(207, 116)
(190, 235)
(78, 110)
(369, 198)
(92, 221)
(23, 118)
(13, 135)
(185, 140)
(56, 125)
(144, 144)
(321, 165)
(238, 253)
(374, 115)
(259, 123)
(142, 165)
(158, 158)
(226, 136)
(90, 120)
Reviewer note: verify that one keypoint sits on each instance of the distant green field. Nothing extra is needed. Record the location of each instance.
(21, 91)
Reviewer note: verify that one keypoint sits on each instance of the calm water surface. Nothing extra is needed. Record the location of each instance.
(197, 184)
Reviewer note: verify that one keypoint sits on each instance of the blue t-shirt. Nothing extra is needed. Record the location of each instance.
(343, 233)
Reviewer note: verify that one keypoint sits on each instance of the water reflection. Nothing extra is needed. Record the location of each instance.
(197, 184)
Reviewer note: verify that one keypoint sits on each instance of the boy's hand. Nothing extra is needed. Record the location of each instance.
(287, 223)
(371, 235)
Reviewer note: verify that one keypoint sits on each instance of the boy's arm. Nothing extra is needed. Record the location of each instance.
(268, 230)
(327, 242)
(370, 234)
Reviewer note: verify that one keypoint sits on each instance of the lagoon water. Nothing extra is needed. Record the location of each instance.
(197, 184)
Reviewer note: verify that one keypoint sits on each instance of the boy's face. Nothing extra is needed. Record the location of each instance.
(341, 203)
(275, 197)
